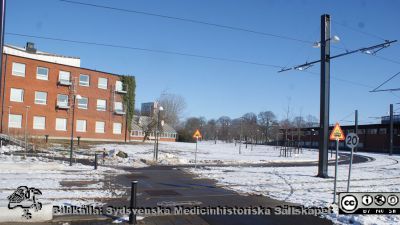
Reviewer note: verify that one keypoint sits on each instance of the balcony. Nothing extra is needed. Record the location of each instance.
(120, 91)
(62, 105)
(64, 82)
(119, 112)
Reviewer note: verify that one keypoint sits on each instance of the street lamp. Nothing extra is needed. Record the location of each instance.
(8, 126)
(157, 133)
(72, 127)
(26, 127)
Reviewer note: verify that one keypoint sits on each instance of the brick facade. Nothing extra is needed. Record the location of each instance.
(29, 84)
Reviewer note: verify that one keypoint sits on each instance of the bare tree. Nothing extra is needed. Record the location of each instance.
(249, 126)
(224, 123)
(311, 121)
(174, 106)
(265, 119)
(211, 130)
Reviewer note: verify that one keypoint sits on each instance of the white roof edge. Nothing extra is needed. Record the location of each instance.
(44, 56)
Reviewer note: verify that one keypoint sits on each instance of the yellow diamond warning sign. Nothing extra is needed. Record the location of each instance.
(197, 134)
(337, 133)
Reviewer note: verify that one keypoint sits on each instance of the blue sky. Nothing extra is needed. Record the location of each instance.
(215, 88)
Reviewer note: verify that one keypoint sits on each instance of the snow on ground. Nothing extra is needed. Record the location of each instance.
(175, 153)
(59, 183)
(300, 185)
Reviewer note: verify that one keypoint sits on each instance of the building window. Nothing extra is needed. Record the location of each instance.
(382, 130)
(61, 124)
(102, 83)
(84, 80)
(14, 120)
(40, 98)
(118, 85)
(62, 100)
(16, 95)
(101, 105)
(39, 122)
(100, 127)
(18, 69)
(42, 73)
(117, 127)
(64, 76)
(81, 125)
(83, 103)
(118, 106)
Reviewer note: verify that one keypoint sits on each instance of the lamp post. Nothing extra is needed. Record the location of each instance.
(8, 126)
(157, 133)
(26, 127)
(72, 127)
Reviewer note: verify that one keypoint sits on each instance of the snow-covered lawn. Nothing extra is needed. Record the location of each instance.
(58, 182)
(175, 153)
(300, 185)
(291, 184)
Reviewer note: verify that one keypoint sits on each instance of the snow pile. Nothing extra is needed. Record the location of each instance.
(300, 184)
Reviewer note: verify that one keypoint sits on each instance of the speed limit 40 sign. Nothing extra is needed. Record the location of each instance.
(352, 140)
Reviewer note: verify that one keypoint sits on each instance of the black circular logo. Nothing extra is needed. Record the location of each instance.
(349, 203)
(380, 200)
(367, 200)
(392, 200)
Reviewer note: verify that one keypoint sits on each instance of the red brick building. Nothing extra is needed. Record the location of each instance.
(38, 91)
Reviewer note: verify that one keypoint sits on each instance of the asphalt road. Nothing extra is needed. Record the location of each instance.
(170, 185)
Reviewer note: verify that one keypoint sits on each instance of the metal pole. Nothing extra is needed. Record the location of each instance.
(133, 202)
(240, 137)
(72, 132)
(356, 126)
(26, 128)
(95, 161)
(266, 132)
(336, 171)
(324, 98)
(158, 128)
(351, 164)
(2, 25)
(8, 124)
(391, 131)
(195, 154)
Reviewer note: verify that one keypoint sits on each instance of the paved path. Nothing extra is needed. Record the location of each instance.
(160, 185)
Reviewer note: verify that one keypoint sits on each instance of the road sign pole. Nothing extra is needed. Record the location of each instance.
(195, 154)
(351, 164)
(352, 141)
(336, 171)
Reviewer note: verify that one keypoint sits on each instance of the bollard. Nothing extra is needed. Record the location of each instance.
(79, 140)
(46, 137)
(132, 218)
(95, 161)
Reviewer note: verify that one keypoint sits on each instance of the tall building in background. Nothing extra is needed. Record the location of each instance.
(38, 89)
(149, 109)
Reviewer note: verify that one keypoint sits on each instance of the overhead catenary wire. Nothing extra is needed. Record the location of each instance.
(385, 82)
(242, 29)
(176, 53)
(359, 31)
(145, 49)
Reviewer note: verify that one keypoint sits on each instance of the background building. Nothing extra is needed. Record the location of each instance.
(149, 109)
(142, 124)
(38, 90)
